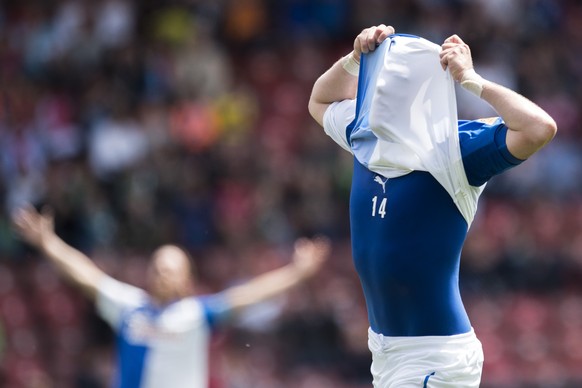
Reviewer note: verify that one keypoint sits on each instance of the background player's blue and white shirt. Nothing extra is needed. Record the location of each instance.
(157, 346)
(407, 228)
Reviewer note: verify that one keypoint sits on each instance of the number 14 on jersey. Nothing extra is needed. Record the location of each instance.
(379, 208)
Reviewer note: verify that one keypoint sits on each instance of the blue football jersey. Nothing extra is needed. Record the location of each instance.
(407, 229)
(157, 346)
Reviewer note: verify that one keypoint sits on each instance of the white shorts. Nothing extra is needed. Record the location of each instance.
(426, 362)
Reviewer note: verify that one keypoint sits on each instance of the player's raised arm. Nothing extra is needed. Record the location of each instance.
(340, 82)
(37, 229)
(530, 127)
(308, 257)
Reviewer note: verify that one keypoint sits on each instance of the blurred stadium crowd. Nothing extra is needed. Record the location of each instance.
(148, 122)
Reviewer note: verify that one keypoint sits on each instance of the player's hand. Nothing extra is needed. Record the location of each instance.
(33, 227)
(309, 255)
(370, 38)
(456, 56)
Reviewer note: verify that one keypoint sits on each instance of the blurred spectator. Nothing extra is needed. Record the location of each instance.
(116, 143)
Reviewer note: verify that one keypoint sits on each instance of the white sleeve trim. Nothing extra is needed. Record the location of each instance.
(336, 119)
(114, 298)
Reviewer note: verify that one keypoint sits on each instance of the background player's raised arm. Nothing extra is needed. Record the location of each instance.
(308, 256)
(530, 127)
(37, 229)
(337, 83)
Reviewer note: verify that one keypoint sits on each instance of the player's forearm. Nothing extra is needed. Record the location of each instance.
(336, 84)
(72, 264)
(518, 112)
(266, 286)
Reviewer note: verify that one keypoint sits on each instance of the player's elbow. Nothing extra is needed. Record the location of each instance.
(544, 131)
(316, 110)
(311, 106)
(524, 141)
(551, 128)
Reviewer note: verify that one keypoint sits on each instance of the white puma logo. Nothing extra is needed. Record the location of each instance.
(379, 180)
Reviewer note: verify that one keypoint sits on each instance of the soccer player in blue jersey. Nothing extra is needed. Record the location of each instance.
(163, 334)
(418, 173)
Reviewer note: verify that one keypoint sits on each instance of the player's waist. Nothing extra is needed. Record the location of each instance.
(425, 307)
(380, 343)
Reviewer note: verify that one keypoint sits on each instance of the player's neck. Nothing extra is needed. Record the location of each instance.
(164, 300)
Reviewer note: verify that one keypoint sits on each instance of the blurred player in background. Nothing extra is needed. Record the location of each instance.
(163, 334)
(418, 174)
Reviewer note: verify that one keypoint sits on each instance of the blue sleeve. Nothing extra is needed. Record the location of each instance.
(216, 309)
(484, 150)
